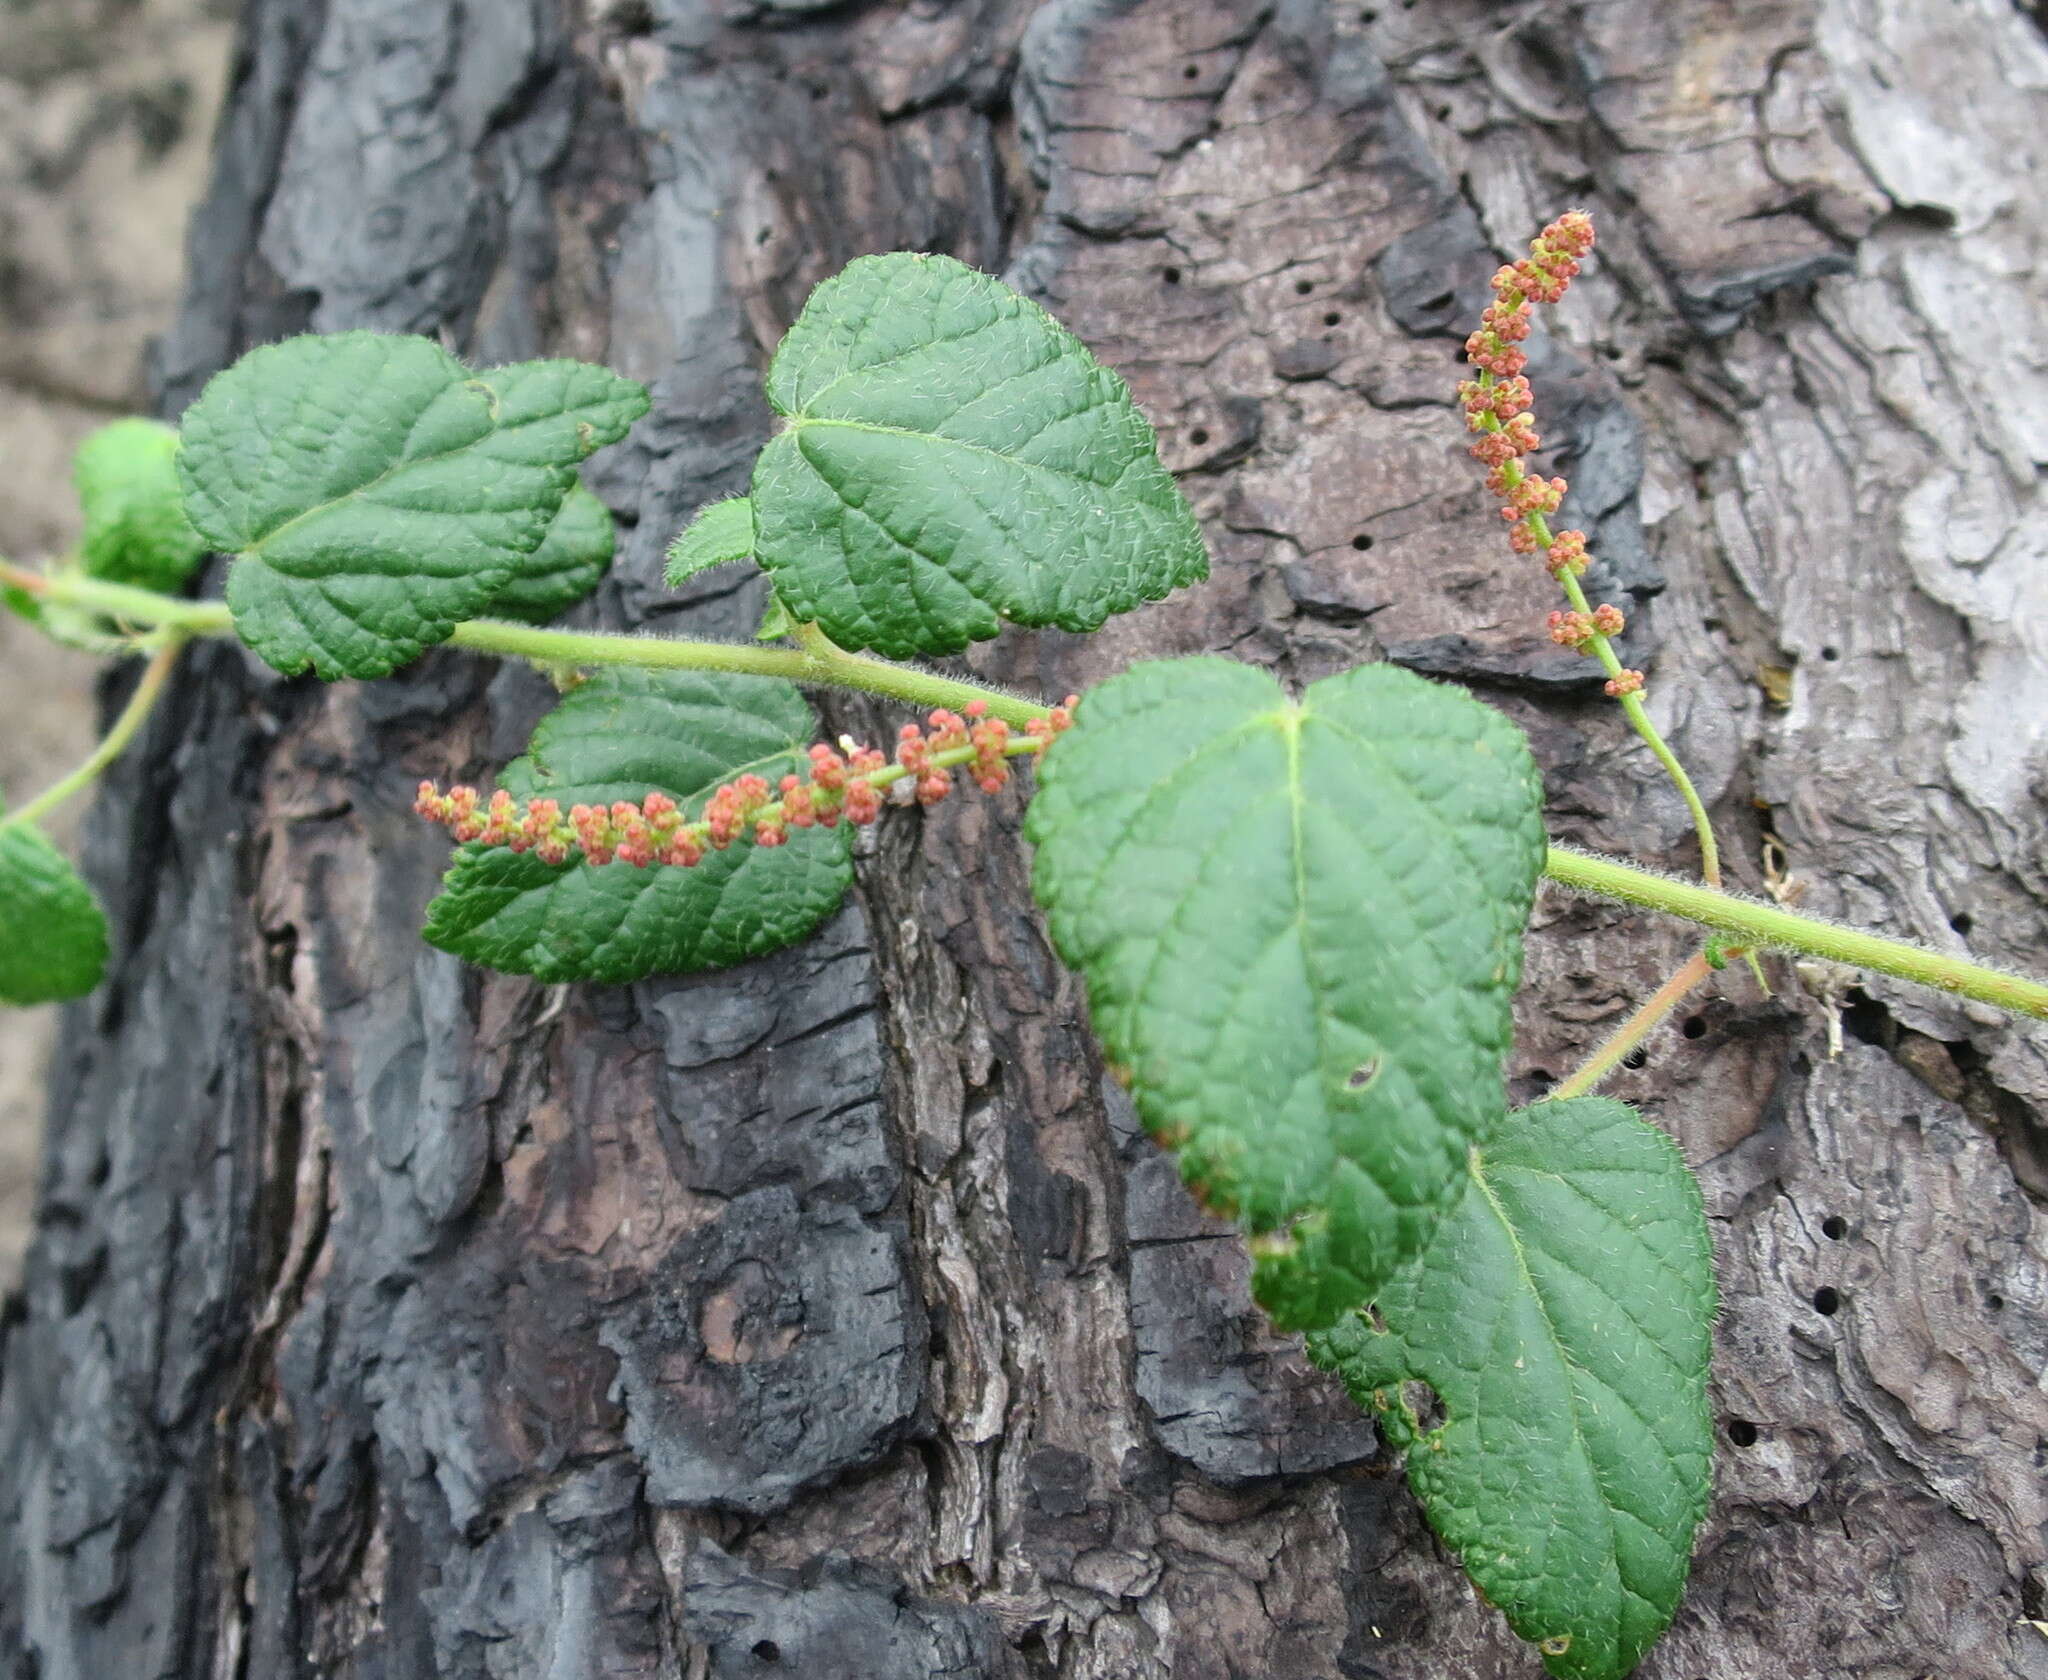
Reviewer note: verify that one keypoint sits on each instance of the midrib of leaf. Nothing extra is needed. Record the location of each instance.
(1478, 1168)
(1450, 830)
(367, 486)
(802, 422)
(1663, 1265)
(1290, 720)
(866, 368)
(1159, 791)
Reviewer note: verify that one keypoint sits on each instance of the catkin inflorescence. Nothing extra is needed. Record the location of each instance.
(1498, 405)
(849, 783)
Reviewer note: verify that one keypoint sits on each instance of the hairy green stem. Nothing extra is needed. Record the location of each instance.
(821, 663)
(817, 665)
(1757, 923)
(122, 601)
(1639, 721)
(1512, 474)
(133, 715)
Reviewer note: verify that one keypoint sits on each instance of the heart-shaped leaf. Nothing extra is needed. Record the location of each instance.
(376, 492)
(617, 737)
(53, 934)
(1300, 924)
(135, 526)
(955, 458)
(1563, 1315)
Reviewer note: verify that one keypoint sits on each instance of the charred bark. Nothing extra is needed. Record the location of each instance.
(828, 1316)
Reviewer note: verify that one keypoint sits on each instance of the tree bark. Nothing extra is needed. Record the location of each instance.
(829, 1316)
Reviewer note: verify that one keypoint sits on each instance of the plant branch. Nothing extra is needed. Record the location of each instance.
(822, 664)
(133, 716)
(1634, 1030)
(1757, 923)
(121, 601)
(1639, 720)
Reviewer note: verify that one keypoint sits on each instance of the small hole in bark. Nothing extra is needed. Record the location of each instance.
(1961, 922)
(1541, 1077)
(1831, 654)
(1332, 318)
(1191, 73)
(1826, 1301)
(1170, 275)
(767, 1650)
(1995, 1302)
(820, 91)
(1742, 1432)
(1834, 1227)
(1695, 1027)
(633, 17)
(1366, 17)
(1303, 287)
(1199, 435)
(1361, 542)
(1635, 1058)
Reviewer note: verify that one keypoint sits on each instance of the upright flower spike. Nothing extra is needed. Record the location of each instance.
(1498, 405)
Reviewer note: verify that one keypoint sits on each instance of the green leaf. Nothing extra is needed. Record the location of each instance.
(1300, 925)
(53, 934)
(1564, 1317)
(571, 559)
(721, 532)
(135, 526)
(955, 457)
(775, 620)
(376, 492)
(619, 735)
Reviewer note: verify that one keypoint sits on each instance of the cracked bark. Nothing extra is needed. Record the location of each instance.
(828, 1316)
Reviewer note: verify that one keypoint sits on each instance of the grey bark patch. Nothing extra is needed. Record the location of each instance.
(558, 1587)
(1538, 666)
(1717, 304)
(1434, 277)
(775, 1348)
(805, 1108)
(833, 1620)
(1304, 358)
(1226, 1392)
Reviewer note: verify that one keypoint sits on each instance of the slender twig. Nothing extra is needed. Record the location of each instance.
(1639, 720)
(1634, 1030)
(122, 601)
(824, 666)
(115, 742)
(1756, 923)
